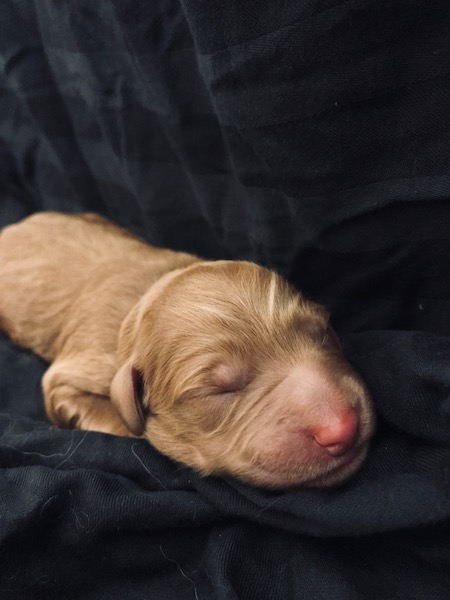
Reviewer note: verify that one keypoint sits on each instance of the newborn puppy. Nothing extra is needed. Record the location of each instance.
(221, 365)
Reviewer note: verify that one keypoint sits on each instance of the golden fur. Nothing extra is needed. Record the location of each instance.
(221, 365)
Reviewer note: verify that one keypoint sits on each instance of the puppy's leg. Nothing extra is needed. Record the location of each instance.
(77, 396)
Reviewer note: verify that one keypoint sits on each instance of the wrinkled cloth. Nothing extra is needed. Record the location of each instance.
(311, 137)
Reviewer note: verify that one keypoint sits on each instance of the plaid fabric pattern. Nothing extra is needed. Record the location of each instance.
(312, 137)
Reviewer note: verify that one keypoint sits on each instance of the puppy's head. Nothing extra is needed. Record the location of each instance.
(233, 372)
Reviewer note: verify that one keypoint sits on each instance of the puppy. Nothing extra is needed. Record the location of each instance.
(221, 365)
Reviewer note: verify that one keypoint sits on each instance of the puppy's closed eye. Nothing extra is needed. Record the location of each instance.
(318, 330)
(227, 379)
(315, 327)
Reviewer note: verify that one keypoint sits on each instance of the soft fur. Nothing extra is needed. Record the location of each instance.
(221, 365)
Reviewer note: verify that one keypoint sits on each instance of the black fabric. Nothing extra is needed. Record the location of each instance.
(312, 137)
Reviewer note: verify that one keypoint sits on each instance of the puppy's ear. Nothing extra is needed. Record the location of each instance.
(127, 394)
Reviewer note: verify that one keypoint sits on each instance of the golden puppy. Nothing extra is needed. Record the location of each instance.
(221, 365)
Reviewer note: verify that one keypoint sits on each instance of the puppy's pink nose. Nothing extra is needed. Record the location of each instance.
(338, 435)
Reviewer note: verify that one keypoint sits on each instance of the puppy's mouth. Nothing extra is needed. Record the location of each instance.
(341, 469)
(348, 464)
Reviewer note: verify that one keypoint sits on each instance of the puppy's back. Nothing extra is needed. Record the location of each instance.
(58, 269)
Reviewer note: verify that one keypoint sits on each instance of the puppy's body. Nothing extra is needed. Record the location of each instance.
(67, 284)
(221, 365)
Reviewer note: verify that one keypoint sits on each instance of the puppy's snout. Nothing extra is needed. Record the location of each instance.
(338, 434)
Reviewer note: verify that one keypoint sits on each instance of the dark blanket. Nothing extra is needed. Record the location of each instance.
(312, 137)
